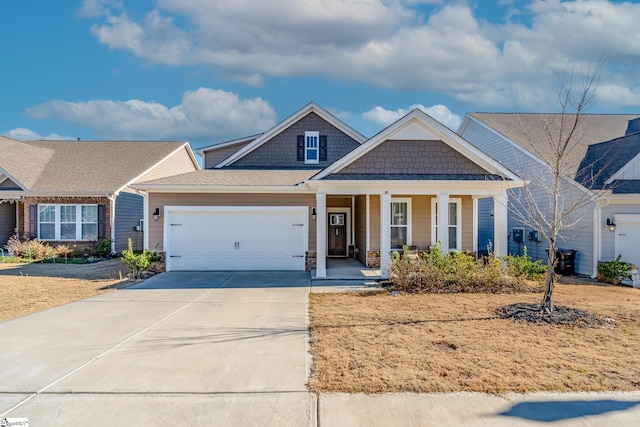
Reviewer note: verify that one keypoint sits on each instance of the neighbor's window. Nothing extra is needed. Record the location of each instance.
(68, 222)
(311, 147)
(454, 227)
(400, 223)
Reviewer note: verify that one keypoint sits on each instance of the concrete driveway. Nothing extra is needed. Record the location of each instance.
(217, 348)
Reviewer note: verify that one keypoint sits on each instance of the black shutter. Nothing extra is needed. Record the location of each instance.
(323, 148)
(33, 221)
(301, 148)
(102, 229)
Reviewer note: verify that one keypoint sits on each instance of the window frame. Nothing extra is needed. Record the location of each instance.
(408, 201)
(58, 222)
(434, 227)
(307, 149)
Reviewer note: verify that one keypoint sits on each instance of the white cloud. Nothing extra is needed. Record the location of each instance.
(203, 114)
(25, 134)
(389, 43)
(97, 8)
(441, 113)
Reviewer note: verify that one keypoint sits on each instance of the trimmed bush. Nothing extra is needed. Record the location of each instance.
(524, 267)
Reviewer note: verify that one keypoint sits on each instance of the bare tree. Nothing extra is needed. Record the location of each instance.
(550, 200)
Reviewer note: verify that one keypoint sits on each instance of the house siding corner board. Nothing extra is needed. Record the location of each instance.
(129, 212)
(7, 221)
(413, 157)
(281, 150)
(156, 228)
(213, 157)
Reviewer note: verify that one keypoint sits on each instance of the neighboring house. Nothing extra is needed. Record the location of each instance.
(518, 142)
(77, 192)
(312, 187)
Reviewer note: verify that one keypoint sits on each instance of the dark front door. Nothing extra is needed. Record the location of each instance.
(337, 234)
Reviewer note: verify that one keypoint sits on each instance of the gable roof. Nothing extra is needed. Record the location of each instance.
(84, 167)
(420, 126)
(527, 130)
(602, 161)
(307, 109)
(22, 162)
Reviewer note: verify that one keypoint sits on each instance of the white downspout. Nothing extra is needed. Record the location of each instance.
(112, 220)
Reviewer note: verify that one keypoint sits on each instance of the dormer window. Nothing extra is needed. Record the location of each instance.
(311, 147)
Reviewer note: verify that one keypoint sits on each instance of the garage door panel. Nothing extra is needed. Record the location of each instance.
(236, 239)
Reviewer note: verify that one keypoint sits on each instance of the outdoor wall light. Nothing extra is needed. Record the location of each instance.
(611, 224)
(156, 214)
(313, 214)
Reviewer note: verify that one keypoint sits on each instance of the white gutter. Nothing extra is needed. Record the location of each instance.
(112, 198)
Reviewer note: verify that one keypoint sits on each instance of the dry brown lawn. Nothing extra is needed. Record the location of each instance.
(447, 343)
(27, 288)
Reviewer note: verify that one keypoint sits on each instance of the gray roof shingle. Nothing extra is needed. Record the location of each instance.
(603, 160)
(411, 177)
(235, 178)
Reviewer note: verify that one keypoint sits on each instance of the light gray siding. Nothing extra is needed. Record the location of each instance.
(281, 150)
(7, 221)
(608, 237)
(579, 237)
(129, 212)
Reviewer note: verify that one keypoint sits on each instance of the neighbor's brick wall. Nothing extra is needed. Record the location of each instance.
(28, 201)
(413, 157)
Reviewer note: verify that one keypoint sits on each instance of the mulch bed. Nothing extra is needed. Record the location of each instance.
(561, 316)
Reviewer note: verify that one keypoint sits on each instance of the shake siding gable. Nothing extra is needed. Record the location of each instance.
(413, 157)
(224, 199)
(281, 150)
(7, 183)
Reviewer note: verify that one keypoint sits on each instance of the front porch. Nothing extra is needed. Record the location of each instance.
(347, 269)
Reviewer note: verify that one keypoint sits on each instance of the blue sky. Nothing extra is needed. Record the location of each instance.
(212, 70)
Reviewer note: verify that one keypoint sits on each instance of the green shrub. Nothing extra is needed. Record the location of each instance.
(137, 262)
(103, 248)
(524, 267)
(614, 271)
(452, 272)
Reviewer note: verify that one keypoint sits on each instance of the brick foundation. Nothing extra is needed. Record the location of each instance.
(310, 261)
(373, 259)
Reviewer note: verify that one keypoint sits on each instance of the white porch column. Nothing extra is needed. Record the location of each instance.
(443, 221)
(475, 223)
(321, 235)
(500, 226)
(385, 234)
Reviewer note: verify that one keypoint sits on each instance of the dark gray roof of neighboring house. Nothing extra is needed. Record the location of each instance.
(603, 160)
(625, 186)
(411, 177)
(234, 178)
(528, 131)
(226, 144)
(85, 166)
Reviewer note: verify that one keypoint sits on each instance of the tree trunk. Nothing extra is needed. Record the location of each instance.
(547, 302)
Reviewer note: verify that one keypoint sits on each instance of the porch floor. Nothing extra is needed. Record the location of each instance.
(347, 269)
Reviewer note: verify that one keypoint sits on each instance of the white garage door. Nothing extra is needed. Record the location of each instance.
(235, 238)
(628, 238)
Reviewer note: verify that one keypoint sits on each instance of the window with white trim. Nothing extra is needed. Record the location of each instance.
(454, 223)
(400, 223)
(68, 222)
(311, 151)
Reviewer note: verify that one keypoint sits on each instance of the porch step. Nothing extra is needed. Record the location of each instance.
(325, 285)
